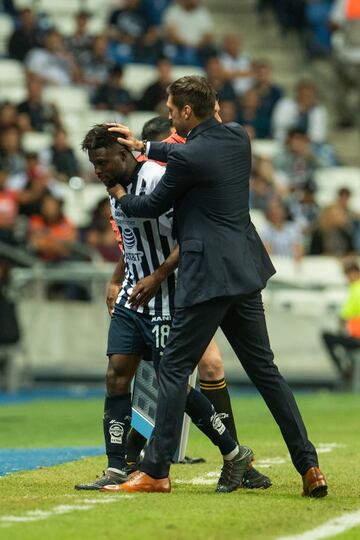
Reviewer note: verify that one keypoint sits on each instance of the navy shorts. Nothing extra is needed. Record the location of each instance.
(131, 332)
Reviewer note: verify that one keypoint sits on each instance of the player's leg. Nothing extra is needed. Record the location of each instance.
(125, 348)
(198, 407)
(117, 408)
(134, 446)
(339, 348)
(214, 387)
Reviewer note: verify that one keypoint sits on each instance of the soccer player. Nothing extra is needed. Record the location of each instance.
(149, 248)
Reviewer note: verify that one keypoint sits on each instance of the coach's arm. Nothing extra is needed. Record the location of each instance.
(175, 182)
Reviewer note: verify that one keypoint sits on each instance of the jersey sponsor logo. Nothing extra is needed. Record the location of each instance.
(130, 252)
(161, 318)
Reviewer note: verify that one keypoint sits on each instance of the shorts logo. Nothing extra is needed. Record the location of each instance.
(116, 432)
(217, 423)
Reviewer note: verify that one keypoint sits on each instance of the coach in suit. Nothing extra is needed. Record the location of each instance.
(223, 267)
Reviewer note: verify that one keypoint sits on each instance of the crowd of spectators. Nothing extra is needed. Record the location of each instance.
(163, 33)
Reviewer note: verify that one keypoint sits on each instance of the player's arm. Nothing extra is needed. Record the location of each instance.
(146, 288)
(114, 285)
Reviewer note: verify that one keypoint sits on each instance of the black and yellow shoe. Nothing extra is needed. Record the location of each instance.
(108, 478)
(233, 470)
(254, 479)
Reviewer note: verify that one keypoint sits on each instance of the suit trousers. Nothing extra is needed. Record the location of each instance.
(243, 322)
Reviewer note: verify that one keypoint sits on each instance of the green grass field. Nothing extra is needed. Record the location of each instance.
(192, 510)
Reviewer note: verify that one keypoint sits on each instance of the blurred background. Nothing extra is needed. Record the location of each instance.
(288, 70)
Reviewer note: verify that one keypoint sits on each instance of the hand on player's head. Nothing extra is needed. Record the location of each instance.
(127, 137)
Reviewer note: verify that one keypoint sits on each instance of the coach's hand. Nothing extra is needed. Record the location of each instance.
(112, 292)
(145, 289)
(126, 138)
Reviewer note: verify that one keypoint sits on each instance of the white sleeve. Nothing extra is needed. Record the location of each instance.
(283, 118)
(318, 120)
(337, 13)
(170, 16)
(207, 21)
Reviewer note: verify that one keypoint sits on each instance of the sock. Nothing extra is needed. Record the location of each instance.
(218, 395)
(135, 444)
(232, 454)
(204, 416)
(117, 418)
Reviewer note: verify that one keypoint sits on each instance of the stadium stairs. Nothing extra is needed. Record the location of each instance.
(262, 39)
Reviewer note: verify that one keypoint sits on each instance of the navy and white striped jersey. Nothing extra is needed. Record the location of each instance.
(146, 244)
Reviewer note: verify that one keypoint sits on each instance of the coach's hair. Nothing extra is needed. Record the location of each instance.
(156, 129)
(197, 92)
(99, 137)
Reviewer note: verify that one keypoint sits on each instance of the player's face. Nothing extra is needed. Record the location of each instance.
(178, 118)
(110, 165)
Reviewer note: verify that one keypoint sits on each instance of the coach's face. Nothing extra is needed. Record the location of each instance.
(110, 164)
(180, 119)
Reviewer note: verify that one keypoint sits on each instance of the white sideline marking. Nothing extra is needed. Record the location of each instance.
(325, 448)
(268, 462)
(37, 515)
(330, 528)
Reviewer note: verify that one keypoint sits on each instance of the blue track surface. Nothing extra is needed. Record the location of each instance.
(21, 459)
(74, 392)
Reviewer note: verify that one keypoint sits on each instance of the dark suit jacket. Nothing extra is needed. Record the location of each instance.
(207, 183)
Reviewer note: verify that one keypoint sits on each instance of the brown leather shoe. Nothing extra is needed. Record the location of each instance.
(314, 483)
(141, 482)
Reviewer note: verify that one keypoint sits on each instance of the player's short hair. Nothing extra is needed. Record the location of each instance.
(99, 137)
(197, 92)
(156, 129)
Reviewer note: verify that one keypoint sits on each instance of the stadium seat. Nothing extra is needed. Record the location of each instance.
(54, 7)
(93, 117)
(136, 120)
(265, 148)
(182, 71)
(68, 99)
(137, 77)
(36, 142)
(6, 28)
(300, 302)
(66, 24)
(312, 271)
(14, 94)
(330, 179)
(258, 218)
(79, 205)
(12, 73)
(100, 6)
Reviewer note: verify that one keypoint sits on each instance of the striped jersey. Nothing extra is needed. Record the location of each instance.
(146, 243)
